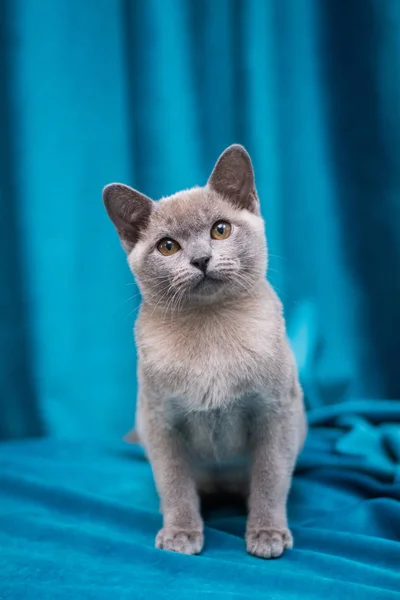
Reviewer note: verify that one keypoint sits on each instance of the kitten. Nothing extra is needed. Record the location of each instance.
(220, 405)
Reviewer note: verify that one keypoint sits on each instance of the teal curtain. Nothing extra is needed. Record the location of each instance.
(149, 93)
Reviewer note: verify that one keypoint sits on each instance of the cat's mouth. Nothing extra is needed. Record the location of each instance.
(207, 281)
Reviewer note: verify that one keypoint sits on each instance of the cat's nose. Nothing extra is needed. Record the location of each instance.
(201, 263)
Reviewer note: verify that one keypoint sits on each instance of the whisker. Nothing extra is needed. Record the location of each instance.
(132, 312)
(131, 298)
(160, 300)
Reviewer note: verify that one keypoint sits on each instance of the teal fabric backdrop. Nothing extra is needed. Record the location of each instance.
(149, 93)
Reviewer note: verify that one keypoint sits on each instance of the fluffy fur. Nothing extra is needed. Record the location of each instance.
(220, 405)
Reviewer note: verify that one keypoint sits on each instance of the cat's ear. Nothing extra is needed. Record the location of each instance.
(233, 178)
(129, 210)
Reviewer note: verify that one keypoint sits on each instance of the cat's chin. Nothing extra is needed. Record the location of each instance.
(207, 289)
(208, 282)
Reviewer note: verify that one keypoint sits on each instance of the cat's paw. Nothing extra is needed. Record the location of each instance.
(184, 542)
(268, 543)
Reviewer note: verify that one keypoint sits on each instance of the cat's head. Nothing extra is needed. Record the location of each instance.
(198, 246)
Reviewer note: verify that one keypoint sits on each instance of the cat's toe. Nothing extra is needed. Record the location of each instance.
(180, 541)
(268, 543)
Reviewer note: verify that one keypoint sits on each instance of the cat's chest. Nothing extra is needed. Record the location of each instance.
(216, 435)
(206, 364)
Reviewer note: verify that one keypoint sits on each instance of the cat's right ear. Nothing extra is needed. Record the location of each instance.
(129, 210)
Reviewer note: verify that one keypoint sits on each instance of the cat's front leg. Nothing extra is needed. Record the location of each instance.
(275, 445)
(182, 524)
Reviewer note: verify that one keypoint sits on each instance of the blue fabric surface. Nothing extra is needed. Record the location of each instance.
(77, 521)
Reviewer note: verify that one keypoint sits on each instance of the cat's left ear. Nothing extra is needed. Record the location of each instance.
(233, 178)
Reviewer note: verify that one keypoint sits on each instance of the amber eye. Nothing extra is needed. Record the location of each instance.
(168, 247)
(221, 230)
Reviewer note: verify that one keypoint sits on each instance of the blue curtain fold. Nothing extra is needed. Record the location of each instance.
(149, 93)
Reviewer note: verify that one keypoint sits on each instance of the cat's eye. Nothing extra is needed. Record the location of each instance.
(168, 247)
(221, 230)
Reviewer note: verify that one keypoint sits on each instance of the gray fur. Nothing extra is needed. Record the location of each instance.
(220, 405)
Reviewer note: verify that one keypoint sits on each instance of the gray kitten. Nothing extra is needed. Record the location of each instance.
(220, 406)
